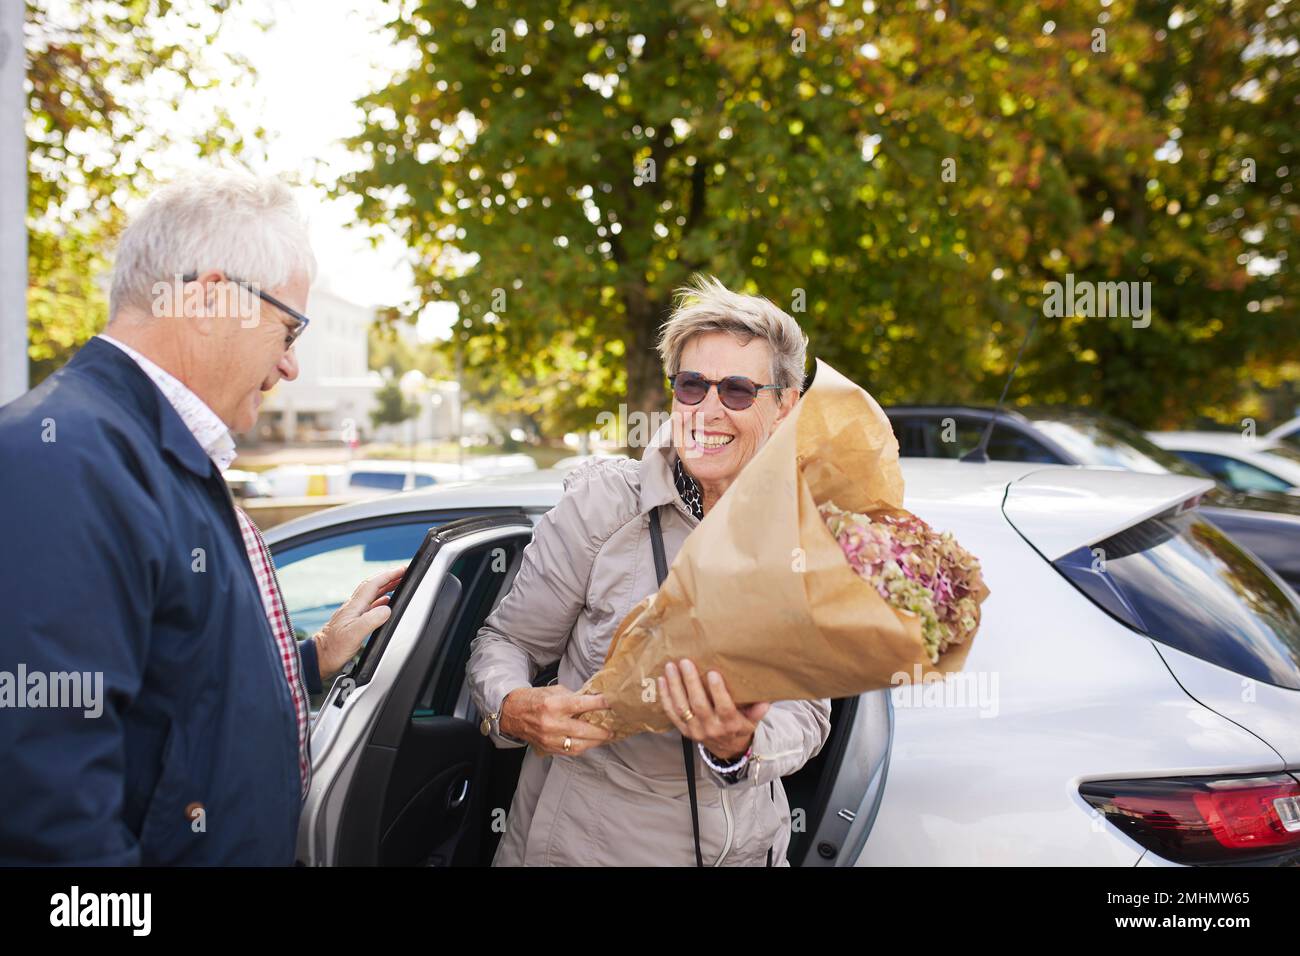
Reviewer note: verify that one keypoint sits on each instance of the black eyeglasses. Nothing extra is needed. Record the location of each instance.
(734, 391)
(301, 319)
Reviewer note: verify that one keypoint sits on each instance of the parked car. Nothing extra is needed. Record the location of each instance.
(1288, 431)
(1244, 464)
(489, 466)
(302, 481)
(576, 461)
(246, 484)
(1104, 718)
(362, 477)
(368, 477)
(1266, 524)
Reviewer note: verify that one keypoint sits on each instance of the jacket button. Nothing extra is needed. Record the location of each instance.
(193, 809)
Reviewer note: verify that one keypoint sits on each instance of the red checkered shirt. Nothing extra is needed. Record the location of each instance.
(273, 603)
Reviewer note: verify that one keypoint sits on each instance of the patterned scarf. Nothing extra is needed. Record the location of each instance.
(688, 489)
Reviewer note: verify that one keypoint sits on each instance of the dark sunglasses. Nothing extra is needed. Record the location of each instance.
(734, 391)
(301, 319)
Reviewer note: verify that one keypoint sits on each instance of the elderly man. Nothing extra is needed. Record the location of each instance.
(127, 566)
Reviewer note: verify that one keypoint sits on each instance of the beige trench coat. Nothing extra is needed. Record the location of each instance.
(622, 804)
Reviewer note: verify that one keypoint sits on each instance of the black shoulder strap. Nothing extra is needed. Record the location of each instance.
(688, 752)
(657, 545)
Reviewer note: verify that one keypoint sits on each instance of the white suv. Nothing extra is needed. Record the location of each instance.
(1132, 697)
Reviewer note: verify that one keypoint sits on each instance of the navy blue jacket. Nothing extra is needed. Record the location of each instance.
(120, 553)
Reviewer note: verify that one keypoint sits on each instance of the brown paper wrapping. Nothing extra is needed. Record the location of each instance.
(761, 591)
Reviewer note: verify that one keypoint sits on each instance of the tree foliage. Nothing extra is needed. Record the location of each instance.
(392, 407)
(905, 178)
(100, 76)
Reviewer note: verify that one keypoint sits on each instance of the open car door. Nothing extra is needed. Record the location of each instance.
(839, 790)
(400, 769)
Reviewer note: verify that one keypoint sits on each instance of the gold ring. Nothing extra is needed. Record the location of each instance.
(687, 715)
(568, 744)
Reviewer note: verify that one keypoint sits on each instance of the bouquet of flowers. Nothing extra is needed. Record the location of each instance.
(806, 580)
(915, 568)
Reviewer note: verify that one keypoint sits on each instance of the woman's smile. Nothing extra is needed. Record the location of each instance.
(710, 442)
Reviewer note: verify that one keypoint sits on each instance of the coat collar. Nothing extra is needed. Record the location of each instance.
(125, 379)
(657, 484)
(204, 424)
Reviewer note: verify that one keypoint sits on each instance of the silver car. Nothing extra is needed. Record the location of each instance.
(1132, 697)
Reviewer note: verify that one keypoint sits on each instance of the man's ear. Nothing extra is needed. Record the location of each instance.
(205, 301)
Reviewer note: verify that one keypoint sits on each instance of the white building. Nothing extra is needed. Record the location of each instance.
(334, 394)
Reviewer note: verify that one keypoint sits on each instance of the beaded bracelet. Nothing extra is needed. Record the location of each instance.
(726, 770)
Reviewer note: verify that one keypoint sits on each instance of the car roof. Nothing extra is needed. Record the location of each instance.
(983, 411)
(1228, 443)
(1026, 414)
(529, 491)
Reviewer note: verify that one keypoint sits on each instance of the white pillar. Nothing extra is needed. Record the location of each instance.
(13, 204)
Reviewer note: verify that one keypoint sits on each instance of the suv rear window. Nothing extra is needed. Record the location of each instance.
(1183, 582)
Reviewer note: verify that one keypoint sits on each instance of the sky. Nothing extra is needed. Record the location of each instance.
(312, 62)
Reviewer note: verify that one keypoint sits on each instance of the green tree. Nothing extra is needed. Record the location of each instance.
(94, 69)
(391, 351)
(391, 406)
(904, 177)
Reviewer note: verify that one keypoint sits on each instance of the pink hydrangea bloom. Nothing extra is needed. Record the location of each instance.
(913, 567)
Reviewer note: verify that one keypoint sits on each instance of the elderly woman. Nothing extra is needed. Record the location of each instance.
(736, 364)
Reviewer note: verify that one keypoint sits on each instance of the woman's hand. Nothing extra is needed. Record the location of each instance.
(546, 716)
(725, 730)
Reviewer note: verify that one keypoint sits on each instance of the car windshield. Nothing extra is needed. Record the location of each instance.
(1112, 444)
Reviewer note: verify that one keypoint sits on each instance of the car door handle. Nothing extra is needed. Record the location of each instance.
(459, 798)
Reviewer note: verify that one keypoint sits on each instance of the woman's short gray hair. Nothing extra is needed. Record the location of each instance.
(246, 226)
(706, 305)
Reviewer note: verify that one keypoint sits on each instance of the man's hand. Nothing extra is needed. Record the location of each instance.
(545, 716)
(339, 640)
(725, 730)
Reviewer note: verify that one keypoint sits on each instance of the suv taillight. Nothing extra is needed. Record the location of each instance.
(1205, 819)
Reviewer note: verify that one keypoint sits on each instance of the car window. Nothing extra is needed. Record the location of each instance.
(386, 480)
(423, 481)
(1183, 582)
(1008, 444)
(1237, 475)
(911, 437)
(921, 436)
(482, 573)
(317, 577)
(953, 436)
(1108, 444)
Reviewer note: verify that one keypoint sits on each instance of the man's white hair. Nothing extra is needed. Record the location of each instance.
(706, 305)
(245, 226)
